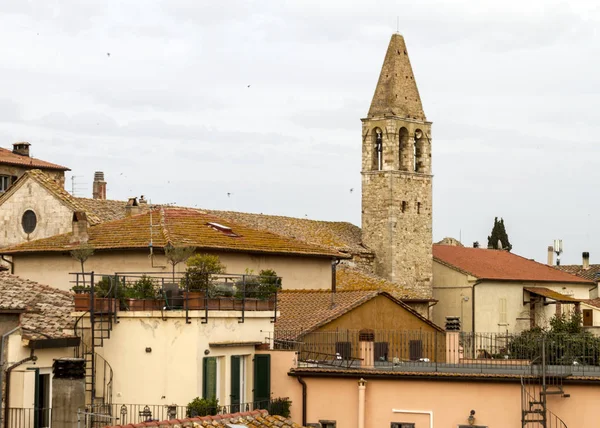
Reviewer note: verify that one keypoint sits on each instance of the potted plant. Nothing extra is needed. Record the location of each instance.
(198, 280)
(104, 296)
(203, 407)
(266, 291)
(142, 295)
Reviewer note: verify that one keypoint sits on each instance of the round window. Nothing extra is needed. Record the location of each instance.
(29, 221)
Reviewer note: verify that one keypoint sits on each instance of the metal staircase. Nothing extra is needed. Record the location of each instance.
(535, 390)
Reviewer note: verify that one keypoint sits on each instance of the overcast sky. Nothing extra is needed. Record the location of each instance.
(263, 100)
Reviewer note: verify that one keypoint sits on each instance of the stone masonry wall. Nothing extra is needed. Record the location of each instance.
(18, 171)
(52, 216)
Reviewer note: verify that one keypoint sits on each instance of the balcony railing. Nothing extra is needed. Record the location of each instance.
(140, 291)
(458, 352)
(28, 418)
(124, 414)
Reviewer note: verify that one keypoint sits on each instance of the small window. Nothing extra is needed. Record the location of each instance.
(29, 221)
(402, 425)
(226, 230)
(328, 424)
(404, 206)
(4, 183)
(418, 207)
(502, 319)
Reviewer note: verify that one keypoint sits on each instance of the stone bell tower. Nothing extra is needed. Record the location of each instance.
(396, 175)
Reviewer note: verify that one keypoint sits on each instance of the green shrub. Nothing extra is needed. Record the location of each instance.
(280, 406)
(143, 288)
(203, 407)
(200, 270)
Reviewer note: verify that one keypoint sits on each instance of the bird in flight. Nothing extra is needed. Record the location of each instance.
(351, 189)
(229, 194)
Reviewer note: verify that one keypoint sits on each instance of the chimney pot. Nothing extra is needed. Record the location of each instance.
(586, 260)
(99, 186)
(21, 148)
(132, 207)
(550, 255)
(80, 227)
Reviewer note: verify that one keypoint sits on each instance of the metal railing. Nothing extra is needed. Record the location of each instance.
(29, 417)
(148, 291)
(454, 352)
(137, 413)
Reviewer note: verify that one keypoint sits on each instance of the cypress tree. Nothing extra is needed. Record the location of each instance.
(499, 234)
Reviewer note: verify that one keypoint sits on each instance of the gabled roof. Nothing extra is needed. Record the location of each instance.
(46, 310)
(499, 265)
(592, 272)
(341, 236)
(353, 279)
(7, 157)
(97, 210)
(396, 93)
(178, 227)
(253, 419)
(303, 311)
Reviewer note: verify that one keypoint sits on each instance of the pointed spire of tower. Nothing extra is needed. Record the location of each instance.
(396, 93)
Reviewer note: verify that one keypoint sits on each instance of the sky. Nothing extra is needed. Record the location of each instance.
(255, 106)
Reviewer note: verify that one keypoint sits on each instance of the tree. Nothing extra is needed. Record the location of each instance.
(499, 234)
(176, 255)
(81, 254)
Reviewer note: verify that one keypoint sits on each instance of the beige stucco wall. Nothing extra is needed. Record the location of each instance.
(452, 290)
(172, 372)
(54, 268)
(53, 218)
(497, 405)
(283, 385)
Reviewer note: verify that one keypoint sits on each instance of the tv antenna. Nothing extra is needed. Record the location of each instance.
(558, 249)
(76, 187)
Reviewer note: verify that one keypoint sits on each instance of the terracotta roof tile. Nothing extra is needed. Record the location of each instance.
(47, 309)
(349, 278)
(9, 158)
(254, 419)
(551, 294)
(341, 236)
(302, 311)
(180, 227)
(592, 272)
(593, 302)
(500, 265)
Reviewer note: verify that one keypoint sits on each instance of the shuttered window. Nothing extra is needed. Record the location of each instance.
(502, 318)
(262, 378)
(209, 377)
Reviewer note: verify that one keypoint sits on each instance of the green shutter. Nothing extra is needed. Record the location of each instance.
(262, 379)
(209, 377)
(235, 382)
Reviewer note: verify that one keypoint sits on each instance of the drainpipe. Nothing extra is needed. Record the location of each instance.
(362, 386)
(303, 383)
(334, 264)
(473, 314)
(11, 263)
(2, 362)
(8, 371)
(417, 412)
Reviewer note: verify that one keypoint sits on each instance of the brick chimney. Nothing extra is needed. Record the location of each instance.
(586, 260)
(99, 188)
(550, 255)
(21, 148)
(80, 227)
(132, 207)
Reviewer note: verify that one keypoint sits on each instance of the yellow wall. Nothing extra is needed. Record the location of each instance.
(452, 289)
(54, 268)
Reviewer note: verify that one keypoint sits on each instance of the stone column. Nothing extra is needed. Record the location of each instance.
(68, 391)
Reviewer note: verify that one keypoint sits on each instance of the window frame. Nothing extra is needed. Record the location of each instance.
(4, 179)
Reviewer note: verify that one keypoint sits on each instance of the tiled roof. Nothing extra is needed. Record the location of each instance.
(179, 227)
(47, 310)
(10, 158)
(592, 272)
(499, 265)
(97, 210)
(349, 278)
(551, 294)
(254, 419)
(341, 236)
(302, 311)
(593, 302)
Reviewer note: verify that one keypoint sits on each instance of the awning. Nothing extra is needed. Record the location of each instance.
(551, 294)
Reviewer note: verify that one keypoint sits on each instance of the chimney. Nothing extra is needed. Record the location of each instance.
(586, 260)
(453, 350)
(21, 148)
(68, 391)
(132, 207)
(99, 188)
(550, 255)
(366, 345)
(80, 227)
(142, 200)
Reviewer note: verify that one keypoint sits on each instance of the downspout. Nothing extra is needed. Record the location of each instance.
(303, 383)
(334, 264)
(10, 262)
(2, 362)
(473, 314)
(8, 371)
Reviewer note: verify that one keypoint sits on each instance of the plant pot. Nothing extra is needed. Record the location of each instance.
(238, 304)
(263, 305)
(144, 304)
(101, 304)
(195, 299)
(226, 303)
(214, 304)
(250, 304)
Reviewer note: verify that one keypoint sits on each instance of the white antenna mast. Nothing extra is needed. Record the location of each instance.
(558, 249)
